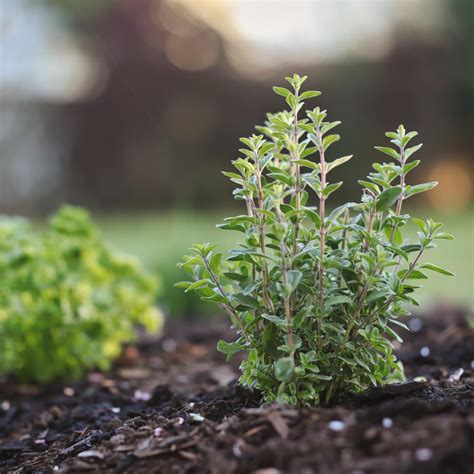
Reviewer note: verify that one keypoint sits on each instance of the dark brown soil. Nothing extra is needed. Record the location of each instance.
(172, 407)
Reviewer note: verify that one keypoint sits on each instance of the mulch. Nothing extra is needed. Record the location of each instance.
(172, 406)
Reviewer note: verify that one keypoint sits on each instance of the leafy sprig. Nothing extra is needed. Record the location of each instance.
(315, 295)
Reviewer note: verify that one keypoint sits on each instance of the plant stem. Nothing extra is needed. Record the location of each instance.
(344, 242)
(296, 168)
(228, 308)
(284, 278)
(322, 211)
(370, 227)
(261, 232)
(398, 209)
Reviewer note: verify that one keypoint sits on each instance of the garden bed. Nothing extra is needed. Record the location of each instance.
(172, 406)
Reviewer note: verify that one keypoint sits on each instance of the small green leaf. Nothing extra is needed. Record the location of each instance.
(388, 151)
(329, 140)
(338, 162)
(284, 369)
(378, 295)
(282, 91)
(339, 299)
(215, 261)
(413, 149)
(274, 319)
(409, 166)
(247, 301)
(444, 235)
(435, 268)
(314, 217)
(420, 188)
(330, 188)
(235, 276)
(309, 95)
(388, 198)
(293, 279)
(228, 348)
(198, 284)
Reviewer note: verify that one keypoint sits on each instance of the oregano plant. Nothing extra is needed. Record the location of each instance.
(315, 292)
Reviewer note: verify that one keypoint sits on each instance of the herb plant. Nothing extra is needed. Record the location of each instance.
(313, 294)
(67, 301)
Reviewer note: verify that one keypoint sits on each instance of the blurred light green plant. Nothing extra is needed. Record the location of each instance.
(67, 301)
(314, 295)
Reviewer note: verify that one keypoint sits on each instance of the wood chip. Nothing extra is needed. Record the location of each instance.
(279, 424)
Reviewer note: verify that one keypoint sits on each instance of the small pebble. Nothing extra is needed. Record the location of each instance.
(95, 377)
(423, 454)
(180, 421)
(196, 417)
(425, 351)
(169, 345)
(5, 405)
(139, 395)
(387, 423)
(158, 432)
(68, 391)
(92, 453)
(236, 448)
(456, 376)
(336, 425)
(115, 410)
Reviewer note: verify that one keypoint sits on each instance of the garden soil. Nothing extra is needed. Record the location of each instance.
(171, 405)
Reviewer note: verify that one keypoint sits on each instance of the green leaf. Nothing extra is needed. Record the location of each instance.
(329, 126)
(235, 276)
(378, 295)
(420, 223)
(392, 333)
(314, 217)
(297, 343)
(330, 188)
(229, 348)
(367, 184)
(435, 268)
(247, 301)
(284, 369)
(413, 275)
(322, 377)
(274, 319)
(420, 188)
(329, 140)
(338, 162)
(388, 198)
(444, 235)
(308, 164)
(338, 211)
(409, 166)
(293, 279)
(282, 91)
(388, 151)
(413, 149)
(215, 262)
(199, 284)
(339, 299)
(309, 95)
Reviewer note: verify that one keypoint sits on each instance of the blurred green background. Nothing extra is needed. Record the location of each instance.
(161, 239)
(132, 107)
